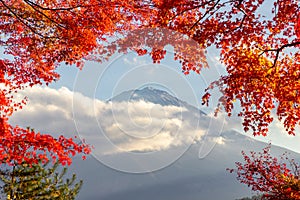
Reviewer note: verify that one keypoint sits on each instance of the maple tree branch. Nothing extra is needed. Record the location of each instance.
(239, 26)
(278, 50)
(284, 46)
(19, 17)
(37, 10)
(206, 13)
(22, 20)
(214, 6)
(242, 21)
(189, 9)
(55, 9)
(67, 8)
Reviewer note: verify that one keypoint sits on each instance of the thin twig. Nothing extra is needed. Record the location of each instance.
(278, 50)
(206, 13)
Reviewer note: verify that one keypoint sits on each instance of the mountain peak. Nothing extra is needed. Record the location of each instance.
(153, 95)
(148, 94)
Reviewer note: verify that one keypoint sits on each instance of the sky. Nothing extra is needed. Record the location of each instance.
(126, 72)
(80, 94)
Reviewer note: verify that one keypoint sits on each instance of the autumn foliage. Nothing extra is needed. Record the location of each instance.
(259, 48)
(275, 178)
(37, 36)
(297, 27)
(258, 43)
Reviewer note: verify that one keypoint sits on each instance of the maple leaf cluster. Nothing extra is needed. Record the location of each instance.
(260, 53)
(275, 178)
(37, 36)
(259, 46)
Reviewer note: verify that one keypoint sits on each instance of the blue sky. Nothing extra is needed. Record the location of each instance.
(125, 72)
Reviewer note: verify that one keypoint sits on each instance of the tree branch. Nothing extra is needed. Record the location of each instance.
(206, 13)
(43, 14)
(189, 9)
(22, 20)
(278, 50)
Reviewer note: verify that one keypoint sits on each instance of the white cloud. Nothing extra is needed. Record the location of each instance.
(218, 140)
(127, 126)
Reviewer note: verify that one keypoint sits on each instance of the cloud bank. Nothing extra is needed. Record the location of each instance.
(115, 127)
(127, 126)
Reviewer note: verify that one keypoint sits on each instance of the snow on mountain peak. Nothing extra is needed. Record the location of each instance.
(153, 95)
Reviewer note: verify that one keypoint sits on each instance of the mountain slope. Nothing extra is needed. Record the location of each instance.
(188, 178)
